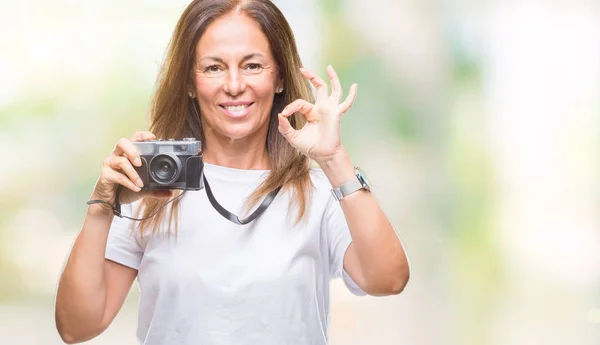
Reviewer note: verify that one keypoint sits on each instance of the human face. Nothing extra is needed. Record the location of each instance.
(235, 79)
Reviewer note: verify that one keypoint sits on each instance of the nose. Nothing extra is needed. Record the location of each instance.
(234, 85)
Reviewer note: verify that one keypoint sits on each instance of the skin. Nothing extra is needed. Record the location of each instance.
(233, 64)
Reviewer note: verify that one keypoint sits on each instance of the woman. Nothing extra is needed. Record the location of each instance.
(232, 78)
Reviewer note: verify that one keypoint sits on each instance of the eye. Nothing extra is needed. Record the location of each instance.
(253, 67)
(212, 68)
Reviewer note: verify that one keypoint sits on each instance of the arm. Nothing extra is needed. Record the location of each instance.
(91, 289)
(375, 259)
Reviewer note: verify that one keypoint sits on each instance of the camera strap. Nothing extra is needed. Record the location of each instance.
(116, 208)
(232, 217)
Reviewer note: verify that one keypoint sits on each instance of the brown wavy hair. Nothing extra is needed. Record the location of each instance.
(173, 114)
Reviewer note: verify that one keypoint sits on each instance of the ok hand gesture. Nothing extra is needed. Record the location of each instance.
(320, 138)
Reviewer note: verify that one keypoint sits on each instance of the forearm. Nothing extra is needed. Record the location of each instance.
(383, 262)
(81, 295)
(382, 258)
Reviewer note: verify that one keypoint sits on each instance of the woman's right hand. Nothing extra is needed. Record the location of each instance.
(117, 169)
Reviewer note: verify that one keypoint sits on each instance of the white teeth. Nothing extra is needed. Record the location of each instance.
(236, 108)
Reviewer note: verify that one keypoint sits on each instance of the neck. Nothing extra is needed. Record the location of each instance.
(244, 153)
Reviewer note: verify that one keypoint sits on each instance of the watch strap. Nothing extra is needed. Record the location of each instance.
(347, 188)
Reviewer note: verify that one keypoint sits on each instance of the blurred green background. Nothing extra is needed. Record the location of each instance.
(476, 121)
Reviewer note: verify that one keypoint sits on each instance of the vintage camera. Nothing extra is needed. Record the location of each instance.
(170, 164)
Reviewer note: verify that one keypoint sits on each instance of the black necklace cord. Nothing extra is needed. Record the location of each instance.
(116, 208)
(232, 217)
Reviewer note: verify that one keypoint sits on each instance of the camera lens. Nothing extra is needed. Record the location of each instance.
(165, 168)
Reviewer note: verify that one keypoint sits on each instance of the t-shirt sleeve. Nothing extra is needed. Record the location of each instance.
(338, 238)
(123, 245)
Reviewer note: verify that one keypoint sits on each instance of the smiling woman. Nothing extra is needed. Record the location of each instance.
(235, 75)
(233, 79)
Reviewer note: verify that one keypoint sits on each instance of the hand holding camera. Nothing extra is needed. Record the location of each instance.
(118, 169)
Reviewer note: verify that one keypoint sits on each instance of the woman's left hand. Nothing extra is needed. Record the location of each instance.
(320, 138)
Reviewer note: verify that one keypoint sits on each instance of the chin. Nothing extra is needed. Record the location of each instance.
(238, 132)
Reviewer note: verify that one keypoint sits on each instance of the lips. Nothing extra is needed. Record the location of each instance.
(236, 109)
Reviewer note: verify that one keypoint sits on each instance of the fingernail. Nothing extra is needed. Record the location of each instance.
(139, 183)
(138, 161)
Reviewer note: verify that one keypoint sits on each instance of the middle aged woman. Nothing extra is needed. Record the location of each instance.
(233, 79)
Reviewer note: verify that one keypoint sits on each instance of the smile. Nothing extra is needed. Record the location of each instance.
(236, 110)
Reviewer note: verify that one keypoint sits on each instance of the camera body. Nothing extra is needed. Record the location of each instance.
(170, 164)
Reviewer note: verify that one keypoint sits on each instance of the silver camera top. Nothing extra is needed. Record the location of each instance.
(186, 146)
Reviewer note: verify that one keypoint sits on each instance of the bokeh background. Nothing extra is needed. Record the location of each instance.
(478, 123)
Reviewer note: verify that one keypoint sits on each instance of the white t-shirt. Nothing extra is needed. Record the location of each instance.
(217, 282)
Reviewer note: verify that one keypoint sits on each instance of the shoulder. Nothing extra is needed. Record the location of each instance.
(329, 209)
(319, 180)
(321, 187)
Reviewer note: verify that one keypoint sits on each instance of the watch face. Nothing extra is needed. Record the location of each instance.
(362, 178)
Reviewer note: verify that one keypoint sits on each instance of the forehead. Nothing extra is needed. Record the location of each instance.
(232, 35)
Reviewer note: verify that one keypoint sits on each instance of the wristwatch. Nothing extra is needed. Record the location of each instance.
(359, 182)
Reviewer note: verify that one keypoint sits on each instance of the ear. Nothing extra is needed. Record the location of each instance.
(279, 86)
(191, 86)
(191, 90)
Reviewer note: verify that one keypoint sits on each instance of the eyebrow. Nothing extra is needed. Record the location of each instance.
(246, 57)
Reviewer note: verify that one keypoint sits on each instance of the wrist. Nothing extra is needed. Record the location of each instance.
(337, 168)
(98, 217)
(99, 210)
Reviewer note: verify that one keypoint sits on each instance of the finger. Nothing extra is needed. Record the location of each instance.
(123, 164)
(125, 147)
(286, 128)
(336, 87)
(298, 105)
(349, 100)
(109, 175)
(143, 136)
(317, 82)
